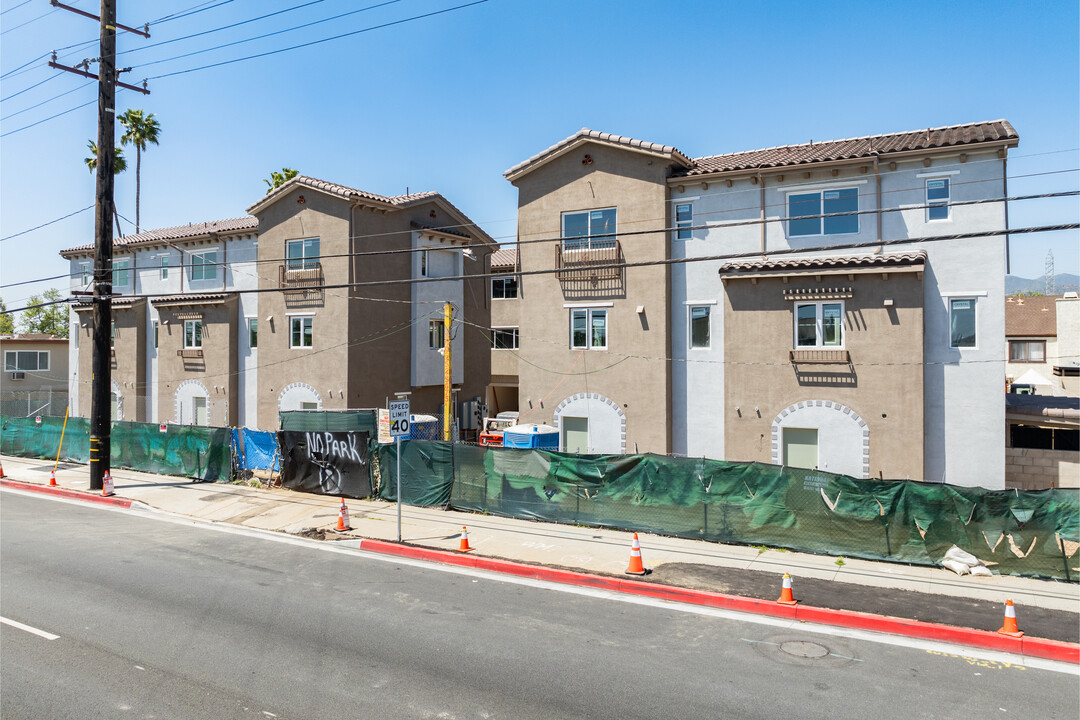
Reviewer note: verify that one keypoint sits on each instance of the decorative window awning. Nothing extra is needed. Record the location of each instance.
(821, 293)
(192, 300)
(188, 315)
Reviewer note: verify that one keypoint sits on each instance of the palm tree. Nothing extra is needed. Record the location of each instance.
(119, 166)
(140, 130)
(277, 179)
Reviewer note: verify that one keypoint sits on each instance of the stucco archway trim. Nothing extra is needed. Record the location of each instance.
(844, 410)
(297, 386)
(188, 389)
(608, 403)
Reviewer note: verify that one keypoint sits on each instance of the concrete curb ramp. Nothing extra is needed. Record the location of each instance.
(1026, 646)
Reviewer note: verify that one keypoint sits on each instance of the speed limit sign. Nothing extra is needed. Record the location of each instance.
(399, 418)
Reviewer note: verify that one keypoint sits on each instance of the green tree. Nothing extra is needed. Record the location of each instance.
(277, 179)
(48, 319)
(139, 130)
(119, 166)
(7, 321)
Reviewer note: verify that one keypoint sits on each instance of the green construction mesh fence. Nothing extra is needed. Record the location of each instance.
(184, 450)
(330, 420)
(1024, 533)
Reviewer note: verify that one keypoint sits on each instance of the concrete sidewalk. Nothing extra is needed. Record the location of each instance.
(1046, 609)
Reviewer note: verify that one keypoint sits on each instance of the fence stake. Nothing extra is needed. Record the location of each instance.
(1065, 559)
(64, 429)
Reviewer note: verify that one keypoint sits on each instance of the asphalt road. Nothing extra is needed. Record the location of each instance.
(165, 620)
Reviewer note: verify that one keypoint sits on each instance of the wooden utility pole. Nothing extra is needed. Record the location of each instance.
(101, 370)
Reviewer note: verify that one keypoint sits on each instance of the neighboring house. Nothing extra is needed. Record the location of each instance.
(505, 292)
(1031, 335)
(1042, 446)
(367, 335)
(184, 338)
(883, 359)
(1067, 361)
(35, 379)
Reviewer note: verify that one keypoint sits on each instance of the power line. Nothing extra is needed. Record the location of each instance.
(15, 7)
(65, 217)
(51, 117)
(43, 102)
(323, 40)
(27, 89)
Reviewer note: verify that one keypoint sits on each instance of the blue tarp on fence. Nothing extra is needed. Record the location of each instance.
(255, 450)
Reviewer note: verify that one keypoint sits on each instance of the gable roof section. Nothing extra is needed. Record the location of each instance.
(190, 231)
(996, 131)
(465, 227)
(505, 258)
(1031, 316)
(585, 135)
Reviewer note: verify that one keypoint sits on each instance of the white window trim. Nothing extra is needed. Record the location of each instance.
(507, 276)
(305, 313)
(517, 336)
(303, 259)
(164, 266)
(301, 316)
(948, 324)
(947, 204)
(589, 239)
(48, 360)
(939, 173)
(675, 220)
(572, 306)
(680, 200)
(956, 294)
(798, 189)
(821, 220)
(214, 264)
(690, 326)
(128, 271)
(699, 302)
(819, 329)
(588, 327)
(192, 347)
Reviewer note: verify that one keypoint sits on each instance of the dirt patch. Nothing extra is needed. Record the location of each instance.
(314, 534)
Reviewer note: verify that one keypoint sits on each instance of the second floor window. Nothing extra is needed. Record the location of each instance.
(164, 268)
(193, 334)
(155, 333)
(819, 325)
(699, 326)
(204, 265)
(588, 328)
(504, 338)
(962, 322)
(253, 332)
(504, 288)
(1027, 351)
(684, 220)
(87, 275)
(302, 254)
(436, 334)
(937, 199)
(589, 230)
(121, 272)
(805, 209)
(301, 332)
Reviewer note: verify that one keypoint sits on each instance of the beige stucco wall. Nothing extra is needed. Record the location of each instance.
(638, 381)
(1034, 469)
(505, 313)
(127, 360)
(885, 386)
(216, 370)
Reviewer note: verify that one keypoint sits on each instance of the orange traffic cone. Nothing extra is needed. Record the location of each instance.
(786, 596)
(52, 479)
(635, 567)
(343, 517)
(463, 546)
(2, 475)
(107, 485)
(1010, 628)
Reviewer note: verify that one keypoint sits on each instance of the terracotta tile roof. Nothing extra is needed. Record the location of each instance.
(1031, 316)
(1044, 405)
(32, 337)
(192, 299)
(585, 134)
(505, 258)
(860, 147)
(342, 191)
(788, 262)
(118, 303)
(231, 226)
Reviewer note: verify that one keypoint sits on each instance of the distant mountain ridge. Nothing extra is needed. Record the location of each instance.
(1063, 283)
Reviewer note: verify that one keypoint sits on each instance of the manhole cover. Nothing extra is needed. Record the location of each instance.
(803, 649)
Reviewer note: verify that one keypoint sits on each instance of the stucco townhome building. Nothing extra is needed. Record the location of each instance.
(229, 322)
(730, 328)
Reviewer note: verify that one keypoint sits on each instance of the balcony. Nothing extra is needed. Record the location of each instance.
(586, 259)
(820, 357)
(300, 278)
(812, 368)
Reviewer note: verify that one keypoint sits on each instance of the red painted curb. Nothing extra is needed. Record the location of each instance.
(1027, 646)
(64, 492)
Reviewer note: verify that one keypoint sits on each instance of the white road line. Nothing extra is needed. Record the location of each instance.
(797, 625)
(27, 628)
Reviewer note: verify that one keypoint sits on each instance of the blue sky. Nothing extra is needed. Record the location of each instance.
(450, 101)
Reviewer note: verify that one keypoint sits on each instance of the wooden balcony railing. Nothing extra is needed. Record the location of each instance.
(300, 278)
(189, 353)
(820, 357)
(586, 260)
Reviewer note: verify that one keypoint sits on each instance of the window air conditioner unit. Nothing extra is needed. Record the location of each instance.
(18, 375)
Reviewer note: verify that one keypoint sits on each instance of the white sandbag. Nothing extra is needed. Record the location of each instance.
(956, 566)
(981, 571)
(959, 555)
